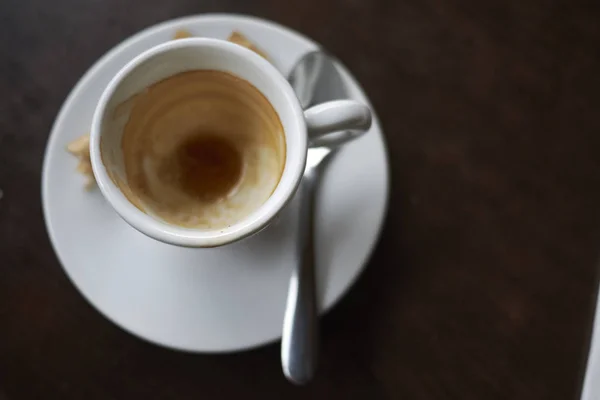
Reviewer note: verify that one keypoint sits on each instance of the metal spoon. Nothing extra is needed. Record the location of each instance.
(315, 79)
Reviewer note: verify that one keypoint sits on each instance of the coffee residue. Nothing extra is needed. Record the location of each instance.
(210, 167)
(202, 149)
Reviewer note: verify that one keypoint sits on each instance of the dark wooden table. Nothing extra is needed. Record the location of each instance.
(483, 285)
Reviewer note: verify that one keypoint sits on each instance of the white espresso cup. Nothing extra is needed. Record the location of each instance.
(171, 58)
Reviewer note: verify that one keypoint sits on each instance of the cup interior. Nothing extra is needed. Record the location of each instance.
(169, 59)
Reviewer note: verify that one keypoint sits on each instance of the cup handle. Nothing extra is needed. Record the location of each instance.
(347, 118)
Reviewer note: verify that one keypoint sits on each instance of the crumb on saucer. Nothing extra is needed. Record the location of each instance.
(238, 38)
(182, 34)
(80, 148)
(235, 37)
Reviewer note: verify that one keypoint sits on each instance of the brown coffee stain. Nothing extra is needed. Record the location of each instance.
(201, 149)
(210, 166)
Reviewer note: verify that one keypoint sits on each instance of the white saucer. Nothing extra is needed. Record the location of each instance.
(207, 300)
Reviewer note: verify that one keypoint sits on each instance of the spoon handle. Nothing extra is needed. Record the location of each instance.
(299, 342)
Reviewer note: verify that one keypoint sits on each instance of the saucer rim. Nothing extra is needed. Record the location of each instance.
(90, 74)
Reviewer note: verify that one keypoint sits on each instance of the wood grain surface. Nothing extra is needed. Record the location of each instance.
(483, 285)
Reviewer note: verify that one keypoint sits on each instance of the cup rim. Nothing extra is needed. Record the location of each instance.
(190, 237)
